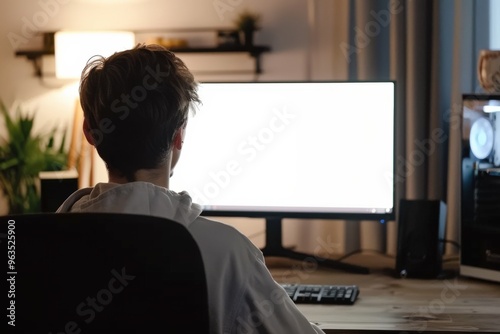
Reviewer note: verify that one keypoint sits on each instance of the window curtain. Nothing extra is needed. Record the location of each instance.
(430, 49)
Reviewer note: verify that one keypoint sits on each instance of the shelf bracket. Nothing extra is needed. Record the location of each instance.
(35, 57)
(37, 65)
(256, 56)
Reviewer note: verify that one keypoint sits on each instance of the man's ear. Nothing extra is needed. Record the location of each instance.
(179, 138)
(87, 132)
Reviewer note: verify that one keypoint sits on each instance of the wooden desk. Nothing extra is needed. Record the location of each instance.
(390, 304)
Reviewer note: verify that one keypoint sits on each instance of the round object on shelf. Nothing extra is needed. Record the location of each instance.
(481, 138)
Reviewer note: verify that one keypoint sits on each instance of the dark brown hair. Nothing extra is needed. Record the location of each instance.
(134, 102)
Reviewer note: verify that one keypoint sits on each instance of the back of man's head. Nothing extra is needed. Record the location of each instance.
(134, 102)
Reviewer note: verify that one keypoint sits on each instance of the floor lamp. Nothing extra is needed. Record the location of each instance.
(73, 49)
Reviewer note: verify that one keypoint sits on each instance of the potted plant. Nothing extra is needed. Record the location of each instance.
(23, 155)
(247, 23)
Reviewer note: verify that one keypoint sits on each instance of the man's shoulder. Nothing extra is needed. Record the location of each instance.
(213, 228)
(223, 238)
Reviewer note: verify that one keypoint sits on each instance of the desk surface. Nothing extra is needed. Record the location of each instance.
(390, 304)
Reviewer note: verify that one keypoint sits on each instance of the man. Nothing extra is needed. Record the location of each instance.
(136, 106)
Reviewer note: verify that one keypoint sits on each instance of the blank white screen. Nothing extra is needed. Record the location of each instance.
(299, 147)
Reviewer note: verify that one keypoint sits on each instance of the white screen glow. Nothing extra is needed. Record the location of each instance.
(320, 147)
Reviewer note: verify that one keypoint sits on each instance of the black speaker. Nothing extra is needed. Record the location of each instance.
(55, 187)
(421, 227)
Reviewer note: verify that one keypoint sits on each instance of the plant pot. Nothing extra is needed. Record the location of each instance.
(246, 37)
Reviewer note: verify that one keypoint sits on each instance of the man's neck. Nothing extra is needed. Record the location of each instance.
(157, 176)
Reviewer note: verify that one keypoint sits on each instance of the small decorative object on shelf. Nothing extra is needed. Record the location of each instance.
(227, 38)
(169, 43)
(172, 43)
(49, 41)
(489, 70)
(247, 23)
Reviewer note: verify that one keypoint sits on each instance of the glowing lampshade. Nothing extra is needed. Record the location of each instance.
(74, 48)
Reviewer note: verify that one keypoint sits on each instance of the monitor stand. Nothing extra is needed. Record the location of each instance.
(274, 247)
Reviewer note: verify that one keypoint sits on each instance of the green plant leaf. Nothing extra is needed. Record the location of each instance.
(12, 162)
(23, 155)
(62, 146)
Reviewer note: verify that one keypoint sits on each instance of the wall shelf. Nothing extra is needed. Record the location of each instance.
(255, 51)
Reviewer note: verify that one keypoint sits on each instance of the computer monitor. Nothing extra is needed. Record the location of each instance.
(291, 149)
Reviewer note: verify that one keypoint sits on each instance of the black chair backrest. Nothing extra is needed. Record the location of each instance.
(102, 273)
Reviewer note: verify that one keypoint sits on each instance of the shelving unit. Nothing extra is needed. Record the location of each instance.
(255, 51)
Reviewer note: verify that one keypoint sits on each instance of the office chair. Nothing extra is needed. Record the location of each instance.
(103, 273)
